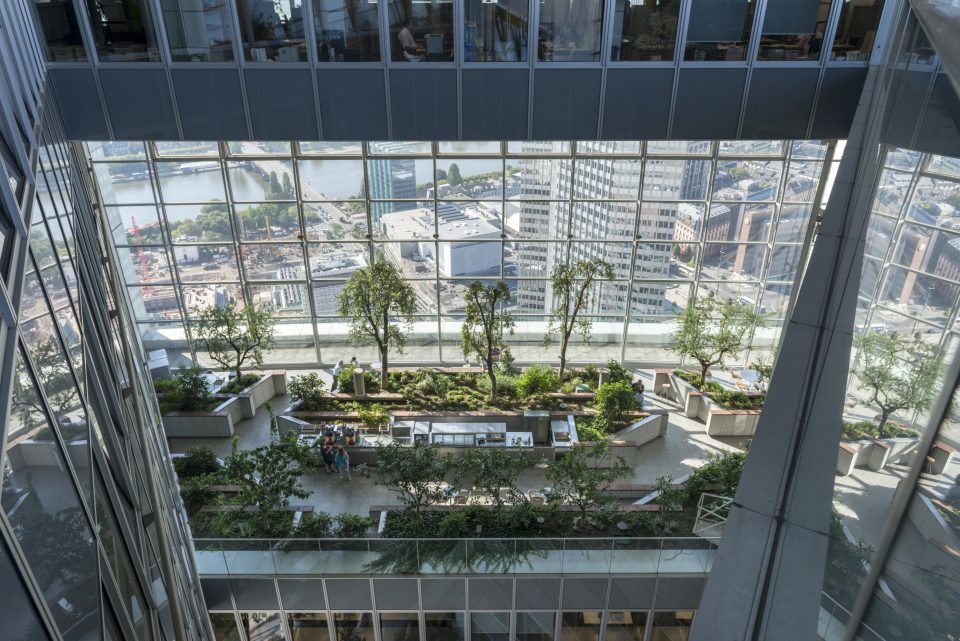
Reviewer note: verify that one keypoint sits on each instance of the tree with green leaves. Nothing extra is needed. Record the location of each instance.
(415, 473)
(372, 301)
(453, 175)
(900, 371)
(582, 476)
(269, 475)
(572, 291)
(711, 329)
(481, 334)
(234, 335)
(309, 390)
(495, 471)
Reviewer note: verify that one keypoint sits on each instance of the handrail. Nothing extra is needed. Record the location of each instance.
(410, 556)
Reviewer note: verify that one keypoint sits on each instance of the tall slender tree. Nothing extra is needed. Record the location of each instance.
(234, 336)
(481, 334)
(572, 291)
(373, 300)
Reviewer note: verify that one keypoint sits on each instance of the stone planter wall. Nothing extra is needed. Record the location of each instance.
(846, 456)
(618, 449)
(253, 397)
(722, 422)
(644, 430)
(214, 424)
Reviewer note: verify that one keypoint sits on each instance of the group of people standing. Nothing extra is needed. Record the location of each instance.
(638, 390)
(336, 372)
(338, 461)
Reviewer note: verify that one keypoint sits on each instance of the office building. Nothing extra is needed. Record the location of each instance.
(797, 161)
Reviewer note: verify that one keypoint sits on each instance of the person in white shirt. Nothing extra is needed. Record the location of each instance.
(336, 375)
(411, 52)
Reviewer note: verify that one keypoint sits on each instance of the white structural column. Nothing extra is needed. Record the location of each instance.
(766, 580)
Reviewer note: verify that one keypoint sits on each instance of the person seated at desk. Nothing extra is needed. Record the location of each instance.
(412, 52)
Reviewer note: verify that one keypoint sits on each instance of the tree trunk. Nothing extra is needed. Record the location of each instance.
(884, 417)
(237, 372)
(493, 381)
(703, 374)
(383, 367)
(563, 357)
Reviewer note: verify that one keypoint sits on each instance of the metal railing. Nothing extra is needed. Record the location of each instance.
(619, 555)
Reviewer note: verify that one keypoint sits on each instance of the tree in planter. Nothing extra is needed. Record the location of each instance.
(900, 373)
(187, 391)
(198, 461)
(481, 334)
(269, 475)
(670, 499)
(309, 390)
(572, 288)
(234, 335)
(370, 299)
(612, 402)
(711, 329)
(764, 370)
(415, 473)
(576, 480)
(495, 471)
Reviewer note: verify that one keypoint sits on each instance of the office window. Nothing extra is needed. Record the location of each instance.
(399, 626)
(645, 30)
(793, 29)
(495, 31)
(856, 30)
(123, 30)
(262, 626)
(443, 626)
(347, 30)
(580, 626)
(308, 626)
(671, 626)
(489, 626)
(570, 30)
(626, 626)
(198, 31)
(61, 32)
(272, 31)
(535, 626)
(421, 31)
(224, 626)
(353, 626)
(719, 29)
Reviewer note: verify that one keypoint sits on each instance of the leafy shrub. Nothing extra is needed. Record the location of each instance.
(455, 525)
(195, 496)
(641, 523)
(618, 374)
(868, 429)
(588, 432)
(372, 415)
(352, 526)
(198, 461)
(187, 391)
(728, 399)
(611, 403)
(537, 381)
(314, 525)
(371, 380)
(240, 383)
(309, 390)
(722, 470)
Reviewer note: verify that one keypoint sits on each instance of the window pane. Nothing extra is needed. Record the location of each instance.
(308, 626)
(255, 148)
(123, 30)
(224, 626)
(258, 180)
(470, 178)
(399, 626)
(329, 148)
(626, 626)
(272, 31)
(675, 179)
(178, 148)
(190, 182)
(331, 179)
(58, 21)
(124, 183)
(495, 32)
(535, 626)
(746, 180)
(490, 626)
(266, 261)
(347, 30)
(856, 30)
(443, 626)
(645, 30)
(793, 29)
(580, 626)
(206, 263)
(421, 31)
(335, 221)
(268, 221)
(199, 297)
(671, 626)
(570, 30)
(719, 29)
(353, 626)
(262, 626)
(606, 178)
(198, 223)
(198, 31)
(154, 303)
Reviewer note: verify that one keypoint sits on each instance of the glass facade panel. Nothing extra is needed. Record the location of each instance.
(626, 626)
(495, 31)
(354, 626)
(570, 30)
(123, 30)
(347, 31)
(443, 626)
(580, 626)
(535, 626)
(272, 31)
(421, 31)
(198, 31)
(399, 626)
(308, 626)
(645, 30)
(61, 32)
(489, 626)
(224, 626)
(671, 626)
(793, 29)
(719, 30)
(263, 626)
(857, 30)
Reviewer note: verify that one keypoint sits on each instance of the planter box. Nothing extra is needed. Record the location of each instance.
(696, 404)
(270, 384)
(214, 424)
(846, 457)
(644, 430)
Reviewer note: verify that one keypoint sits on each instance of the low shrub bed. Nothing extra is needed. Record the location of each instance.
(727, 399)
(187, 391)
(868, 429)
(238, 384)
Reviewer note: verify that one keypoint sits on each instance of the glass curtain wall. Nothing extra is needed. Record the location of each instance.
(283, 225)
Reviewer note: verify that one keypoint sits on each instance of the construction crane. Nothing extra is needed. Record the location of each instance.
(141, 254)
